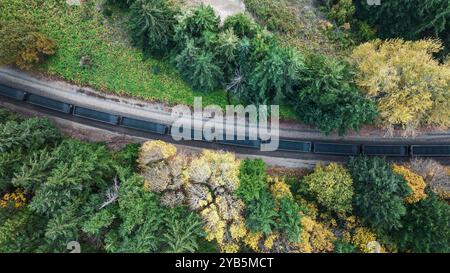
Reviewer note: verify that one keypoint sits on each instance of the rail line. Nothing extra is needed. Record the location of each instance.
(291, 148)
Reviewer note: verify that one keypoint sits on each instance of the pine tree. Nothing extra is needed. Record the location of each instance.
(152, 26)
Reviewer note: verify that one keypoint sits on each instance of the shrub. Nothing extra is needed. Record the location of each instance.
(22, 44)
(329, 100)
(261, 214)
(6, 116)
(192, 24)
(425, 227)
(378, 193)
(152, 26)
(20, 233)
(315, 237)
(342, 11)
(415, 182)
(242, 25)
(362, 237)
(409, 87)
(289, 219)
(252, 177)
(183, 231)
(332, 186)
(350, 30)
(341, 246)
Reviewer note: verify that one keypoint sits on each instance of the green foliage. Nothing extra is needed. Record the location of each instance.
(261, 216)
(64, 226)
(9, 164)
(252, 177)
(73, 177)
(63, 182)
(408, 19)
(6, 116)
(29, 135)
(34, 171)
(349, 30)
(329, 100)
(192, 24)
(97, 224)
(101, 39)
(289, 219)
(138, 224)
(152, 26)
(332, 186)
(227, 51)
(344, 247)
(242, 25)
(128, 156)
(182, 232)
(425, 227)
(120, 3)
(267, 71)
(19, 141)
(20, 233)
(140, 219)
(342, 11)
(378, 193)
(198, 68)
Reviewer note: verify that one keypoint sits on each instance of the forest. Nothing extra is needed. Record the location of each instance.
(152, 197)
(338, 66)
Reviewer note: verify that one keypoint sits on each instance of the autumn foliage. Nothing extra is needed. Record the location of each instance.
(415, 182)
(409, 86)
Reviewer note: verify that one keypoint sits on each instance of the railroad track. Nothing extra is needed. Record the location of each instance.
(289, 148)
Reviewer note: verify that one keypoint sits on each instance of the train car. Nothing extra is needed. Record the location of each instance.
(386, 150)
(337, 149)
(142, 125)
(246, 142)
(256, 144)
(49, 103)
(95, 115)
(294, 146)
(430, 150)
(11, 92)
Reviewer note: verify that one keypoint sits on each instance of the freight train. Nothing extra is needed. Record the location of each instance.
(285, 145)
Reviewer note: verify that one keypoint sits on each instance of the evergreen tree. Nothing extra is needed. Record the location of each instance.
(152, 26)
(378, 193)
(425, 228)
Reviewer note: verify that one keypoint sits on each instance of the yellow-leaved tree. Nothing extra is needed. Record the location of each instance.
(415, 182)
(409, 86)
